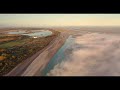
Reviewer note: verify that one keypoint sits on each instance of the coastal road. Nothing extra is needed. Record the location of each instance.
(42, 60)
(35, 64)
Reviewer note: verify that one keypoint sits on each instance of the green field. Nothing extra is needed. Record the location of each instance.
(16, 50)
(11, 44)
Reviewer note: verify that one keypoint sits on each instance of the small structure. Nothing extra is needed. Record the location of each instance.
(34, 37)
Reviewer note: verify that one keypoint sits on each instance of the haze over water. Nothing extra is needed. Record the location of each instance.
(94, 51)
(92, 54)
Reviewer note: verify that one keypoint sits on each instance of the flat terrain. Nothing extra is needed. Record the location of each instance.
(35, 64)
(42, 60)
(16, 49)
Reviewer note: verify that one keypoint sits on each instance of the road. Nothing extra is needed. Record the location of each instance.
(36, 63)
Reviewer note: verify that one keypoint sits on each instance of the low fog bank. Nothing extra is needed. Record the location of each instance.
(92, 54)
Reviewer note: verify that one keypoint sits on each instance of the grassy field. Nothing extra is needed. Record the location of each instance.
(11, 44)
(13, 52)
(11, 41)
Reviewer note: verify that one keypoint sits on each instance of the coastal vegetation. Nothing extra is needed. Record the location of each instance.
(14, 49)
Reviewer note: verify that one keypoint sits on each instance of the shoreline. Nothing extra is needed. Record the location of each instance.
(34, 64)
(43, 59)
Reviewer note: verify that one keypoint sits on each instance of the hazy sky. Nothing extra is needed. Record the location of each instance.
(60, 19)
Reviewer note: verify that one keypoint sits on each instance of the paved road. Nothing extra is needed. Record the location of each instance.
(42, 60)
(33, 65)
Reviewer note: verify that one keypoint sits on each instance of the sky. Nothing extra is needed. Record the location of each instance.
(59, 19)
